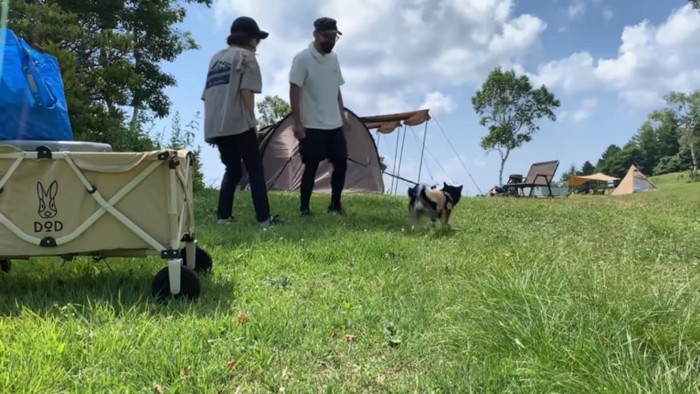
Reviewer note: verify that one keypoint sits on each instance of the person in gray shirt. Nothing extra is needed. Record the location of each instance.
(233, 79)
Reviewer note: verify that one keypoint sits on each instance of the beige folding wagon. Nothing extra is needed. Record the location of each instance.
(82, 199)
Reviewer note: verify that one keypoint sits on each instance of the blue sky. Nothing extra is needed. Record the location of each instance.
(609, 62)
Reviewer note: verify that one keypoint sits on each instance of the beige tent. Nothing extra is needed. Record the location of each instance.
(598, 176)
(633, 182)
(283, 167)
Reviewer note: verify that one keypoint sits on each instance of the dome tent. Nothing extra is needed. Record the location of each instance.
(283, 168)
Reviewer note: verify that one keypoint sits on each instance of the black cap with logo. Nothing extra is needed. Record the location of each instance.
(245, 24)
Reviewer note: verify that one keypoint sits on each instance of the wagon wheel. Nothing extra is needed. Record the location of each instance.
(190, 285)
(5, 265)
(202, 260)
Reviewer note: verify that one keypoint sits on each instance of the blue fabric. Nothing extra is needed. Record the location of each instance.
(32, 98)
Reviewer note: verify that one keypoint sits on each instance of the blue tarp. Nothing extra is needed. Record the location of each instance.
(32, 98)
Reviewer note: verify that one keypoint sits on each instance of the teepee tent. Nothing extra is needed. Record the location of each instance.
(633, 182)
(283, 167)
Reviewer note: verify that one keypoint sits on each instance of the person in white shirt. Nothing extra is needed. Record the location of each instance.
(318, 112)
(233, 79)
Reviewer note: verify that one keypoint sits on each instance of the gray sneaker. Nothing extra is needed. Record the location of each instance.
(272, 221)
(225, 221)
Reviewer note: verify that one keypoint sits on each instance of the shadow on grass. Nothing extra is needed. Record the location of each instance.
(45, 287)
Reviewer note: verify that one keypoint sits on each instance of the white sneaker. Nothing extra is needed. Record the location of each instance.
(224, 221)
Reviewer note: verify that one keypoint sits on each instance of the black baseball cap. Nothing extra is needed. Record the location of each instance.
(325, 24)
(246, 24)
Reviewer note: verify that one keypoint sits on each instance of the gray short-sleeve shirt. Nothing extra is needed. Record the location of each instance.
(230, 70)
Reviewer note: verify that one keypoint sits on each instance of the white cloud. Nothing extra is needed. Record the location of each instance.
(585, 110)
(607, 14)
(651, 61)
(576, 9)
(438, 103)
(394, 53)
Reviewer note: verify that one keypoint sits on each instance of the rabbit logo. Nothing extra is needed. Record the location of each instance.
(47, 200)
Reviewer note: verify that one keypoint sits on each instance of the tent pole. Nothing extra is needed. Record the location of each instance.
(378, 135)
(396, 153)
(422, 150)
(403, 142)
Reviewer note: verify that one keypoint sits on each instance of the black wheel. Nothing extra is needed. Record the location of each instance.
(202, 260)
(5, 265)
(190, 285)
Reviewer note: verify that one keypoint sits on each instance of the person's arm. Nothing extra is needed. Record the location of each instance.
(297, 77)
(341, 105)
(295, 102)
(251, 82)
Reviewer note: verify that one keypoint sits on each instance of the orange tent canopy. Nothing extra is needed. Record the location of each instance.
(386, 124)
(598, 176)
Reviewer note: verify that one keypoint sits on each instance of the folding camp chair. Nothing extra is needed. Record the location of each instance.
(540, 175)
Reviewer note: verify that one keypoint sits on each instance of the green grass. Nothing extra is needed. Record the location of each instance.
(585, 295)
(672, 178)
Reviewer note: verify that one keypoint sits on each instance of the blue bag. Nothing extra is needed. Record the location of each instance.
(32, 99)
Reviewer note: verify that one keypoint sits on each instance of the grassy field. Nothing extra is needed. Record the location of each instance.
(580, 295)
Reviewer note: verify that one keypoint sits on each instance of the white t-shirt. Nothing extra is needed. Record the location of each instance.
(230, 70)
(320, 79)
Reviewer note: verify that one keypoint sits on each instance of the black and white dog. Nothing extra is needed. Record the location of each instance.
(433, 202)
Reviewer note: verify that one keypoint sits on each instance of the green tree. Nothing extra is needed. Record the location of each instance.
(272, 109)
(657, 138)
(587, 168)
(603, 164)
(695, 4)
(676, 163)
(615, 161)
(569, 173)
(110, 54)
(183, 137)
(687, 110)
(510, 107)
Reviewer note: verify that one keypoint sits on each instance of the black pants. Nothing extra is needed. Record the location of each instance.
(234, 149)
(317, 146)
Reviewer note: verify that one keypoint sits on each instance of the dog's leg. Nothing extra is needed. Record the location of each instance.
(446, 218)
(414, 219)
(433, 215)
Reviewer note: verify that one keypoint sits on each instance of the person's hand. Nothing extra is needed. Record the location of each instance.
(346, 122)
(299, 131)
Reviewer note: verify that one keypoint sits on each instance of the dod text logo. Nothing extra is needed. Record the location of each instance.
(47, 209)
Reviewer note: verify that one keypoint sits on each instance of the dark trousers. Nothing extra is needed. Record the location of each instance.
(234, 149)
(317, 146)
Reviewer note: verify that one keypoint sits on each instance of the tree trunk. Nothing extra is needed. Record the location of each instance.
(504, 158)
(694, 169)
(134, 119)
(500, 172)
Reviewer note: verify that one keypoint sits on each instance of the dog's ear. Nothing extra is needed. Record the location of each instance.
(460, 188)
(444, 184)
